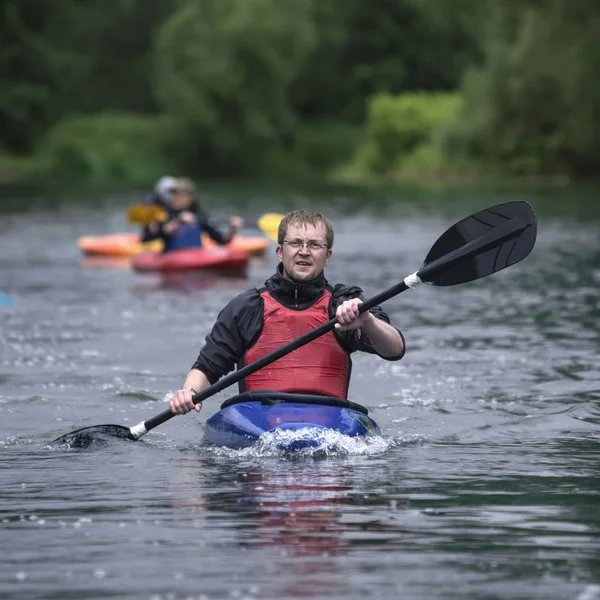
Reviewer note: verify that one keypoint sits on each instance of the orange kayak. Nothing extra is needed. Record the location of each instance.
(128, 244)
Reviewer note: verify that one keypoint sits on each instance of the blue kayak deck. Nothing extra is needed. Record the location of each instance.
(244, 418)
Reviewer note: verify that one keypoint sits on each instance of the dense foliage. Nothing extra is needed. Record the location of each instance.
(129, 88)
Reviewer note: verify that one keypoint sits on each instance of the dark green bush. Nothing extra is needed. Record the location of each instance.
(107, 147)
(397, 125)
(532, 109)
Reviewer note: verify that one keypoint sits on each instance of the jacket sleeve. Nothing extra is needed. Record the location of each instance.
(235, 329)
(215, 234)
(148, 235)
(354, 341)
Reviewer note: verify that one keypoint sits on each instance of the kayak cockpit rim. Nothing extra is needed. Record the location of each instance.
(269, 397)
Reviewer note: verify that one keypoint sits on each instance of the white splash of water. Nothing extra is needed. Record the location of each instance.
(591, 592)
(315, 443)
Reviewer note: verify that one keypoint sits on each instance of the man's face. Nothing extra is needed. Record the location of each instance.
(180, 200)
(300, 261)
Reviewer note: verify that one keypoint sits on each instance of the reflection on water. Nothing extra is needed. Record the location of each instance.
(303, 524)
(106, 262)
(302, 520)
(198, 280)
(485, 481)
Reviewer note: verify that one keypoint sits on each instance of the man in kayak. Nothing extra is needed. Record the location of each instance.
(295, 300)
(185, 221)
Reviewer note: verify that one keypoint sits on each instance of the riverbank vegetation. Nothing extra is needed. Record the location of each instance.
(345, 89)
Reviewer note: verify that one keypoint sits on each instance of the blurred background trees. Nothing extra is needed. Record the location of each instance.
(129, 89)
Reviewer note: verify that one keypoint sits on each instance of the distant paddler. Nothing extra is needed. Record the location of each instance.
(185, 222)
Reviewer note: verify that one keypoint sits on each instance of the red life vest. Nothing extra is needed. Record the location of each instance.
(320, 367)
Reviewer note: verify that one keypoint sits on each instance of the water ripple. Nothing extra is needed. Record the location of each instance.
(484, 482)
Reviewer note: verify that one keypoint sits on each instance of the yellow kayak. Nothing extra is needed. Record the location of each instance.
(128, 244)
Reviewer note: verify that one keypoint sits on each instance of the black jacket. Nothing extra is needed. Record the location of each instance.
(240, 323)
(203, 222)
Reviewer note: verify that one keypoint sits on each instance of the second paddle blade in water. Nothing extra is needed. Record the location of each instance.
(92, 436)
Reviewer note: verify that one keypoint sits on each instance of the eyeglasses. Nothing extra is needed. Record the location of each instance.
(311, 245)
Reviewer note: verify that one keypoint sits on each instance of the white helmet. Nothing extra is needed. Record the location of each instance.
(164, 186)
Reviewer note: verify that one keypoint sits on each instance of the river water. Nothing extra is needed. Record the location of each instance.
(485, 482)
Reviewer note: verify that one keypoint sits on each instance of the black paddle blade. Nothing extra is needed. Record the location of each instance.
(92, 436)
(482, 244)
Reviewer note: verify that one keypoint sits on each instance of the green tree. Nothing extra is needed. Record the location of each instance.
(534, 107)
(66, 57)
(224, 67)
(391, 46)
(31, 62)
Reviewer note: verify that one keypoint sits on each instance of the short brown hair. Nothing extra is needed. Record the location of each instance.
(183, 185)
(305, 217)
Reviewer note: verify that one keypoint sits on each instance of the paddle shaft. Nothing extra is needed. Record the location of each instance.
(427, 273)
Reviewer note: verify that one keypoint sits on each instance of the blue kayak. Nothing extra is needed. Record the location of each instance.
(244, 418)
